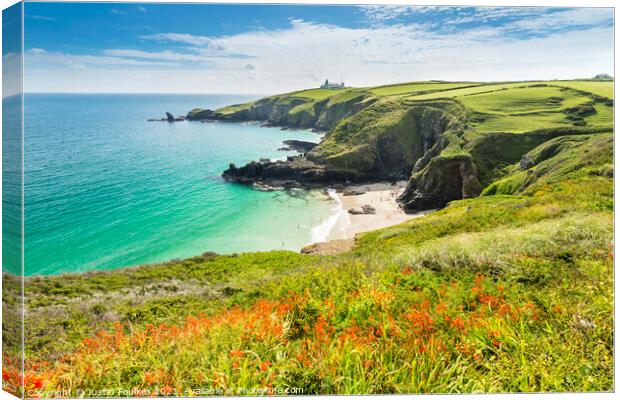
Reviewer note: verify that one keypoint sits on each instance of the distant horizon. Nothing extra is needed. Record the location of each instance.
(310, 88)
(256, 49)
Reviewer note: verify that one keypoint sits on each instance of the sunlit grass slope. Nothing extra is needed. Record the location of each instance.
(496, 293)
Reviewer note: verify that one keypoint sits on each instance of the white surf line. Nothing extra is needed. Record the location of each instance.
(321, 232)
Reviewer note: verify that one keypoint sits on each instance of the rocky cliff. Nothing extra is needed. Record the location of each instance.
(440, 145)
(291, 111)
(385, 139)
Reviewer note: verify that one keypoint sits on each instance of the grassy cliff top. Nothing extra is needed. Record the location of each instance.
(428, 90)
(513, 107)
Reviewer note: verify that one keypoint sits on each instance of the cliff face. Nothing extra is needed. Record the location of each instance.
(441, 181)
(389, 139)
(447, 147)
(292, 111)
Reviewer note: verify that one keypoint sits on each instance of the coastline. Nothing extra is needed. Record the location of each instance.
(381, 196)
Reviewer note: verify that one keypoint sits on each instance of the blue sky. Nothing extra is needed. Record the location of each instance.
(186, 48)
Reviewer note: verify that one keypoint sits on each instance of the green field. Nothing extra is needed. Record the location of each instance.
(484, 88)
(509, 289)
(525, 100)
(504, 106)
(418, 87)
(315, 94)
(603, 89)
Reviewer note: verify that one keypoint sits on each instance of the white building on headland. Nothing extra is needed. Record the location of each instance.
(332, 85)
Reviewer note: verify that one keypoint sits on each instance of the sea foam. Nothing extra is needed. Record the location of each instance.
(339, 218)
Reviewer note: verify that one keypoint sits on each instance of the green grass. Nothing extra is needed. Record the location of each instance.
(498, 293)
(469, 91)
(317, 94)
(526, 108)
(604, 116)
(525, 100)
(235, 107)
(418, 87)
(556, 159)
(603, 89)
(519, 123)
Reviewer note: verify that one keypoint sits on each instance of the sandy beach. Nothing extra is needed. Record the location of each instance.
(382, 197)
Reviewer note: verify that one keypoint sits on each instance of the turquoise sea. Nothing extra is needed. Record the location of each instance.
(105, 189)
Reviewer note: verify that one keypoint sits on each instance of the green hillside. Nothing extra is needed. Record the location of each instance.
(425, 131)
(507, 288)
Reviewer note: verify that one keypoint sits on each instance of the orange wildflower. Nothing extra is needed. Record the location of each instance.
(264, 366)
(236, 353)
(441, 307)
(149, 378)
(421, 321)
(457, 323)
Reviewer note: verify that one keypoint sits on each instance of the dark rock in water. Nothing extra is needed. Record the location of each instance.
(284, 149)
(295, 172)
(291, 184)
(300, 145)
(264, 187)
(248, 174)
(169, 118)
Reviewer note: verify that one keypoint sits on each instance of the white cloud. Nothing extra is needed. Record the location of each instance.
(41, 18)
(306, 53)
(142, 9)
(183, 38)
(448, 15)
(386, 13)
(160, 55)
(40, 57)
(564, 19)
(529, 18)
